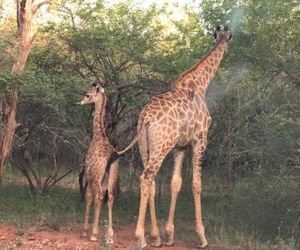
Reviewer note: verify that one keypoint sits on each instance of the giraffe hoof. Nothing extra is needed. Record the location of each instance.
(93, 238)
(84, 235)
(156, 243)
(169, 244)
(203, 246)
(170, 241)
(109, 241)
(142, 245)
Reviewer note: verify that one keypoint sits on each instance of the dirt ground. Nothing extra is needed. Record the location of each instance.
(68, 237)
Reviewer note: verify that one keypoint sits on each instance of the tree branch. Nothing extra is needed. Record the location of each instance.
(38, 5)
(21, 4)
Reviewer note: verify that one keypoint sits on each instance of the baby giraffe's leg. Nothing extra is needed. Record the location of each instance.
(112, 182)
(88, 199)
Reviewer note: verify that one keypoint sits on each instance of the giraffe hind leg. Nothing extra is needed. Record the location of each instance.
(155, 152)
(144, 150)
(156, 240)
(147, 186)
(176, 183)
(144, 196)
(198, 151)
(112, 185)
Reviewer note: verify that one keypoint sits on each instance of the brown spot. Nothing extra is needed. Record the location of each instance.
(159, 115)
(191, 106)
(181, 114)
(154, 111)
(162, 102)
(183, 129)
(170, 124)
(165, 109)
(156, 107)
(172, 113)
(164, 120)
(191, 94)
(191, 84)
(174, 125)
(148, 172)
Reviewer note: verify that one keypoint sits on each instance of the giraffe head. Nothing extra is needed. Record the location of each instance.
(222, 35)
(93, 94)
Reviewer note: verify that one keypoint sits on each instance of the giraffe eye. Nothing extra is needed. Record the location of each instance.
(87, 95)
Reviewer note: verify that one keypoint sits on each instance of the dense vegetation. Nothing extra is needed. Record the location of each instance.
(254, 145)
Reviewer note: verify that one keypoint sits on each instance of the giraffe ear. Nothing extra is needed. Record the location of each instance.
(218, 28)
(217, 33)
(228, 33)
(99, 88)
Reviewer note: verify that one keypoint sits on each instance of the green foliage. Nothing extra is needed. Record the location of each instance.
(20, 206)
(254, 99)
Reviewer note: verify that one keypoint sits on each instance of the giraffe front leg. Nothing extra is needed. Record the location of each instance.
(88, 199)
(176, 183)
(154, 228)
(98, 200)
(198, 151)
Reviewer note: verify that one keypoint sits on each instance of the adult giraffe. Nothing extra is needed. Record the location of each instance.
(175, 120)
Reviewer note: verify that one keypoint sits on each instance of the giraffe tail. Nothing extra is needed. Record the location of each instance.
(134, 140)
(117, 154)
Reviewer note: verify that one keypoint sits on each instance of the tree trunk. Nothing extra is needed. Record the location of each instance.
(20, 160)
(9, 109)
(26, 10)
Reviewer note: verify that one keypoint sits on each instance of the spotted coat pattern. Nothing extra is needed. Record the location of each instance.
(173, 121)
(101, 179)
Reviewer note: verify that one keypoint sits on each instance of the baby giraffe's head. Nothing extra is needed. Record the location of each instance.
(93, 94)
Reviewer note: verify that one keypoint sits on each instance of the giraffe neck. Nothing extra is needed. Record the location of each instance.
(98, 121)
(197, 78)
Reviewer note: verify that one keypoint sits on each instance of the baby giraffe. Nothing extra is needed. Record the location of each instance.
(101, 174)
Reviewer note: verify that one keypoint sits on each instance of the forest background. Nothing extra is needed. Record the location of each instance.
(251, 168)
